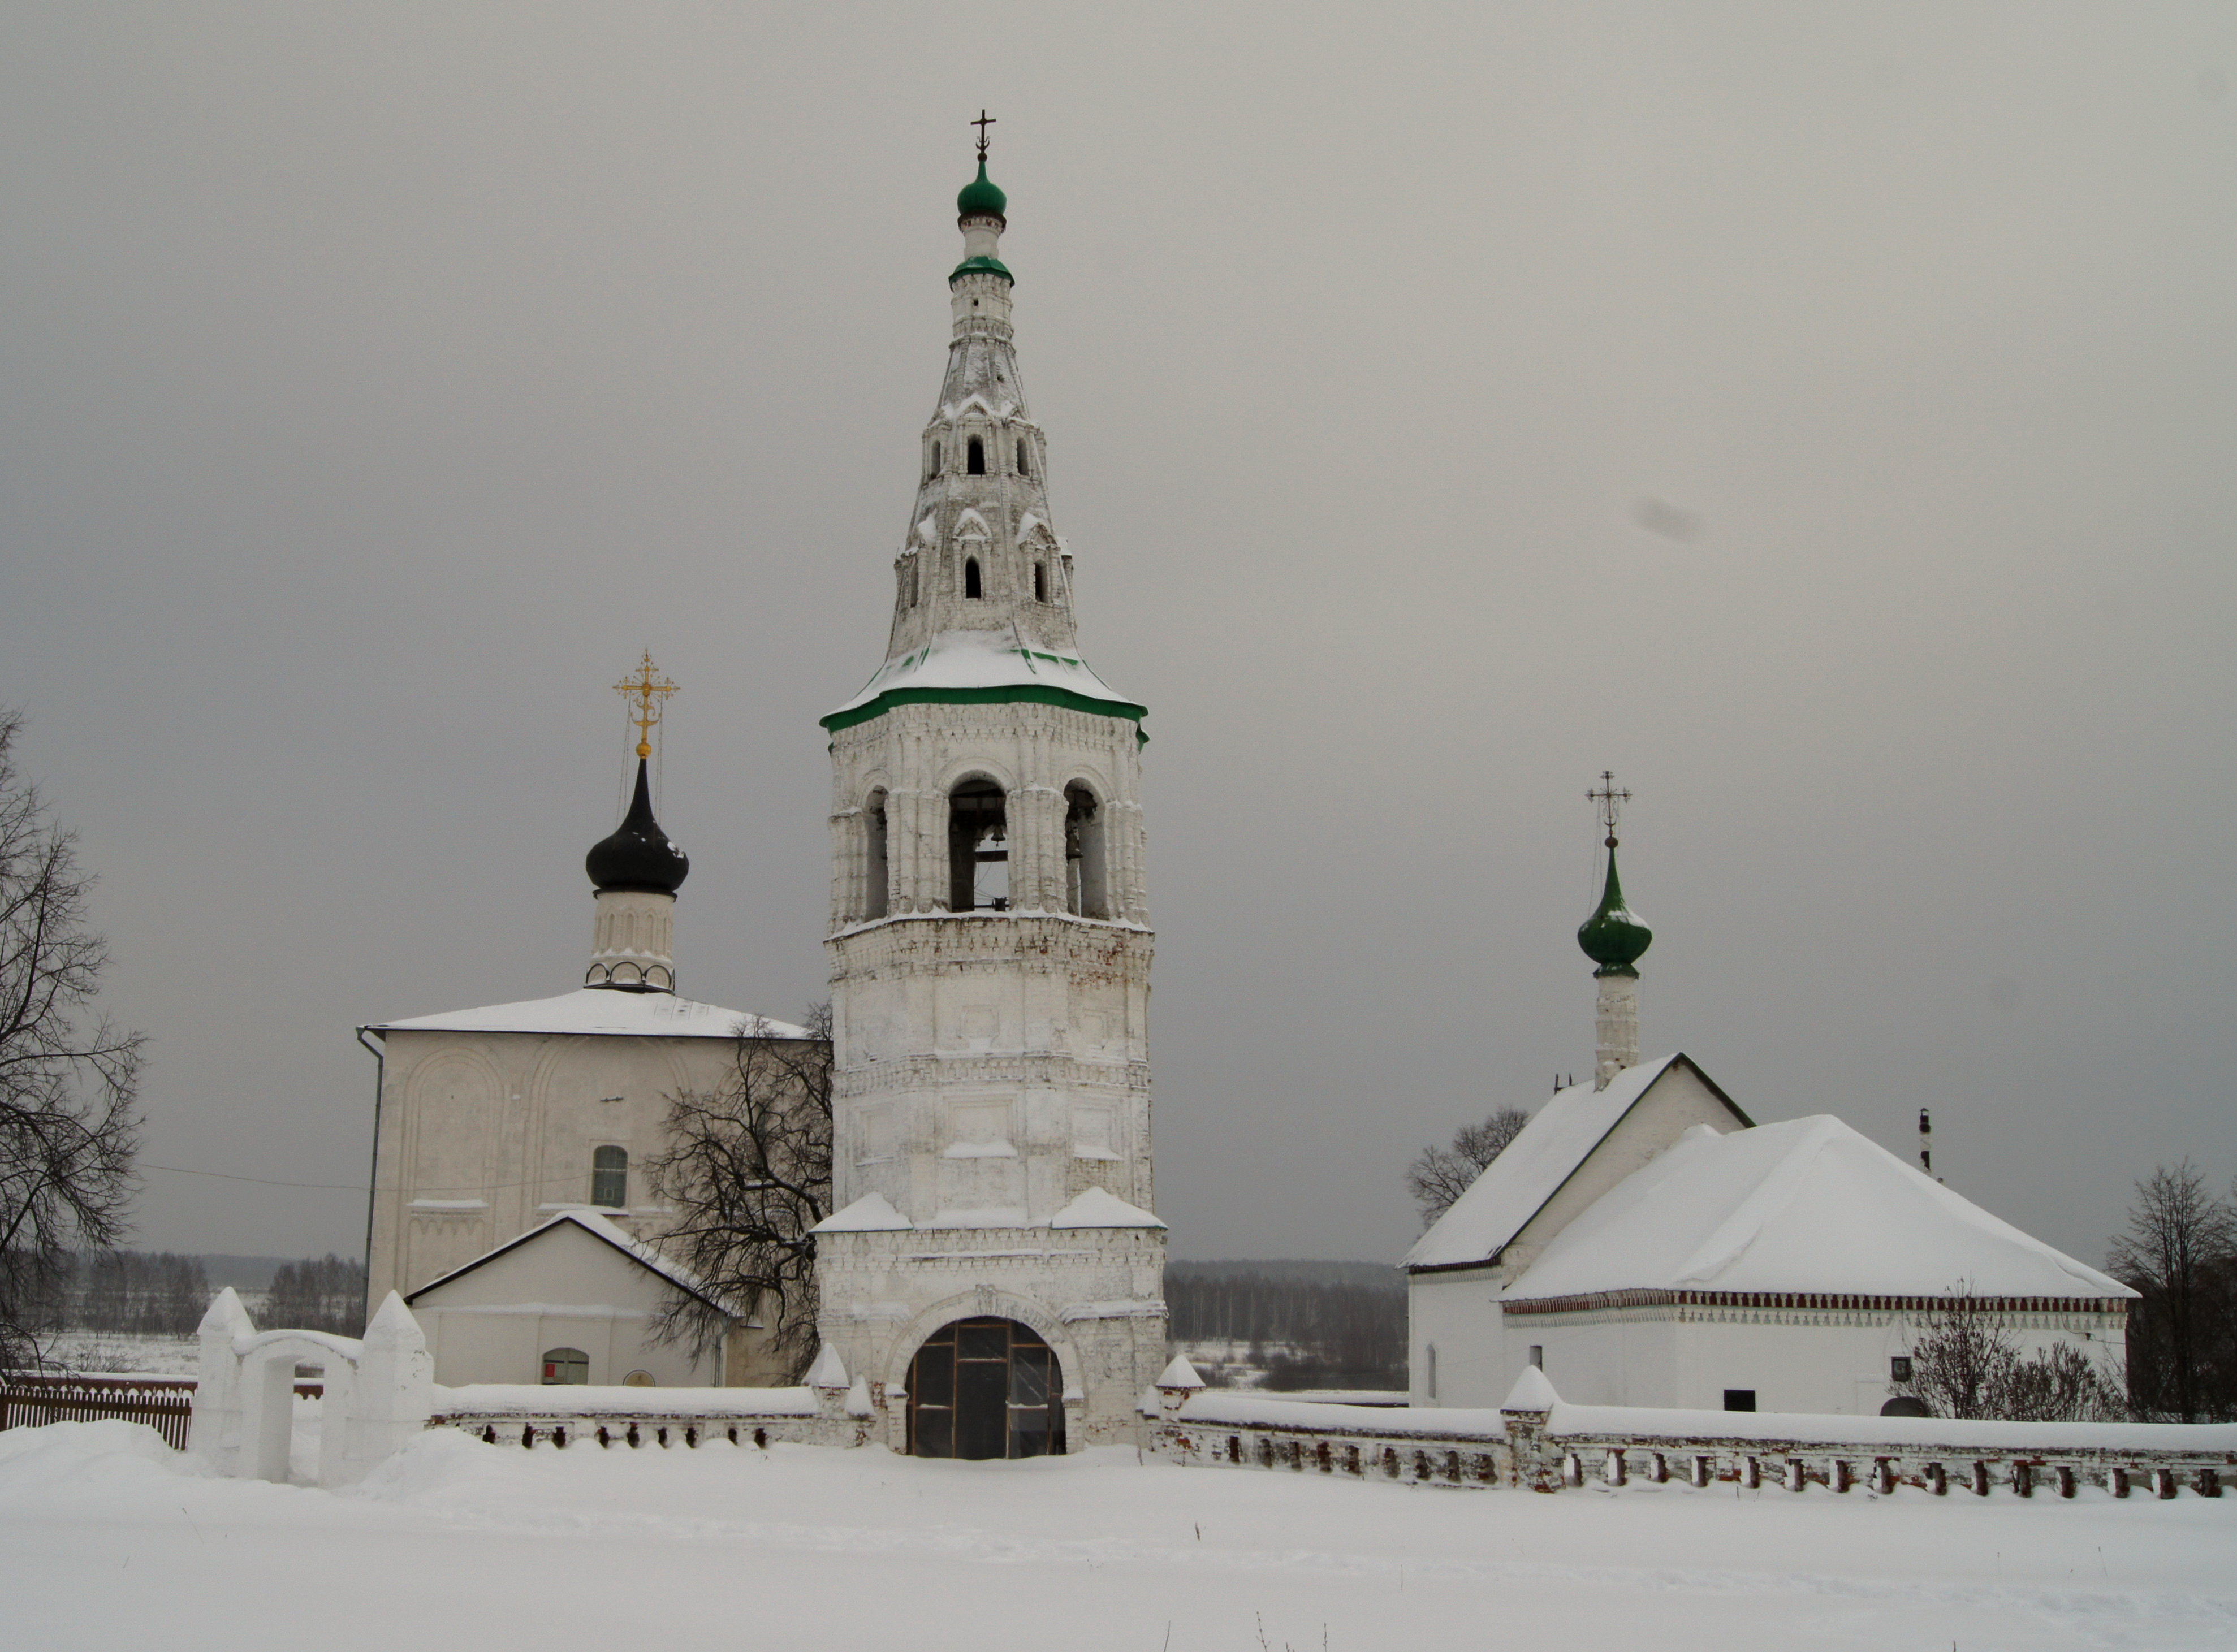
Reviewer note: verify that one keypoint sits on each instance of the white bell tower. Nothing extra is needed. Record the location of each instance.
(990, 958)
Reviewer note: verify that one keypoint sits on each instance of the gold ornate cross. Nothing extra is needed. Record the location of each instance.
(646, 692)
(1609, 800)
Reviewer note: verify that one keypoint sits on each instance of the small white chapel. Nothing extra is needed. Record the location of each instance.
(1645, 1243)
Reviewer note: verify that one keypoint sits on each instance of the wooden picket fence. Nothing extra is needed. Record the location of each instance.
(28, 1399)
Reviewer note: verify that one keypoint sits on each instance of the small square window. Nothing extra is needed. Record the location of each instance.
(1739, 1399)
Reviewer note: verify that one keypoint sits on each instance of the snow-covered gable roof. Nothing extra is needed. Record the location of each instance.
(599, 1227)
(959, 663)
(602, 1011)
(1804, 1206)
(1517, 1184)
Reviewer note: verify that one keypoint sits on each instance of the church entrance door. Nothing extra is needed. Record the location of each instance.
(984, 1388)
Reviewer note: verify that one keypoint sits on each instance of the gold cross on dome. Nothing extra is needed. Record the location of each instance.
(984, 121)
(646, 691)
(1609, 800)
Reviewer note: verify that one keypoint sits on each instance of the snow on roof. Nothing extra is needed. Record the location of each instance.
(829, 1371)
(606, 1012)
(1807, 1205)
(598, 1227)
(988, 660)
(872, 1214)
(1098, 1208)
(1517, 1184)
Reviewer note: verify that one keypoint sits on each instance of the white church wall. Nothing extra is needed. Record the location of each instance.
(484, 1134)
(1830, 1362)
(1456, 1315)
(565, 1289)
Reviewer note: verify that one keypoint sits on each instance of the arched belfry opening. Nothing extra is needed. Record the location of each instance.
(978, 847)
(1022, 470)
(874, 856)
(974, 457)
(1040, 582)
(1087, 883)
(971, 586)
(984, 1388)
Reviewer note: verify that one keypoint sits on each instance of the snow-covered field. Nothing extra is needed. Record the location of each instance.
(108, 1539)
(111, 1353)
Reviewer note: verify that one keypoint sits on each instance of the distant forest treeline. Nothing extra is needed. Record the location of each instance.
(161, 1293)
(1316, 1325)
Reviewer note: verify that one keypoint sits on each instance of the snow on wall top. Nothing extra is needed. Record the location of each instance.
(967, 660)
(1099, 1208)
(1536, 1164)
(1807, 1205)
(603, 1012)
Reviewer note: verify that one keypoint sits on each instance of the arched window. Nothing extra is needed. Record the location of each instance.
(986, 1388)
(1040, 582)
(935, 458)
(978, 847)
(909, 583)
(974, 457)
(1431, 1388)
(1087, 879)
(565, 1364)
(874, 860)
(971, 577)
(1021, 458)
(610, 1178)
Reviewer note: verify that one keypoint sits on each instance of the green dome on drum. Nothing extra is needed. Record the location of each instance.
(980, 199)
(1613, 937)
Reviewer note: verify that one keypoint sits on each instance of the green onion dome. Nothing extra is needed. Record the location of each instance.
(980, 199)
(1613, 937)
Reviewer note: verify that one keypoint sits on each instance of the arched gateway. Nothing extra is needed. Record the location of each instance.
(984, 1388)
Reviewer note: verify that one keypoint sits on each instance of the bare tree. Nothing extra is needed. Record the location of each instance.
(1439, 1175)
(69, 1121)
(748, 1167)
(2179, 1251)
(1965, 1363)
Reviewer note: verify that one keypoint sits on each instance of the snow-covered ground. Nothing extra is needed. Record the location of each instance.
(108, 1539)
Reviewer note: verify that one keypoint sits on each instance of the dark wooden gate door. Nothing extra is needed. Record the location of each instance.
(984, 1388)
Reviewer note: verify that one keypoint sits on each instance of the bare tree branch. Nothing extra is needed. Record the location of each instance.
(748, 1167)
(1439, 1175)
(69, 1121)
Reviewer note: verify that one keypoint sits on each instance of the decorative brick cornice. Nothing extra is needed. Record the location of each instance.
(1811, 1302)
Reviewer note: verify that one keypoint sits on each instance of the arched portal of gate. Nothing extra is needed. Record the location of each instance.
(986, 1387)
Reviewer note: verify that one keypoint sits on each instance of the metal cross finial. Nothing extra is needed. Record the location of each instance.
(984, 121)
(1609, 800)
(647, 691)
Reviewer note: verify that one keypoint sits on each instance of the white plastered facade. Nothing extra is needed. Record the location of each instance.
(1453, 1306)
(992, 1096)
(564, 1286)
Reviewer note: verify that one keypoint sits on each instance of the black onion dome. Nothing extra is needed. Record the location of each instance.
(638, 855)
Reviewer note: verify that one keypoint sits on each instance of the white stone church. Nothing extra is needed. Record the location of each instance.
(1645, 1243)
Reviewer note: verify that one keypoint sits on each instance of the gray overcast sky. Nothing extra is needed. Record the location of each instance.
(1822, 415)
